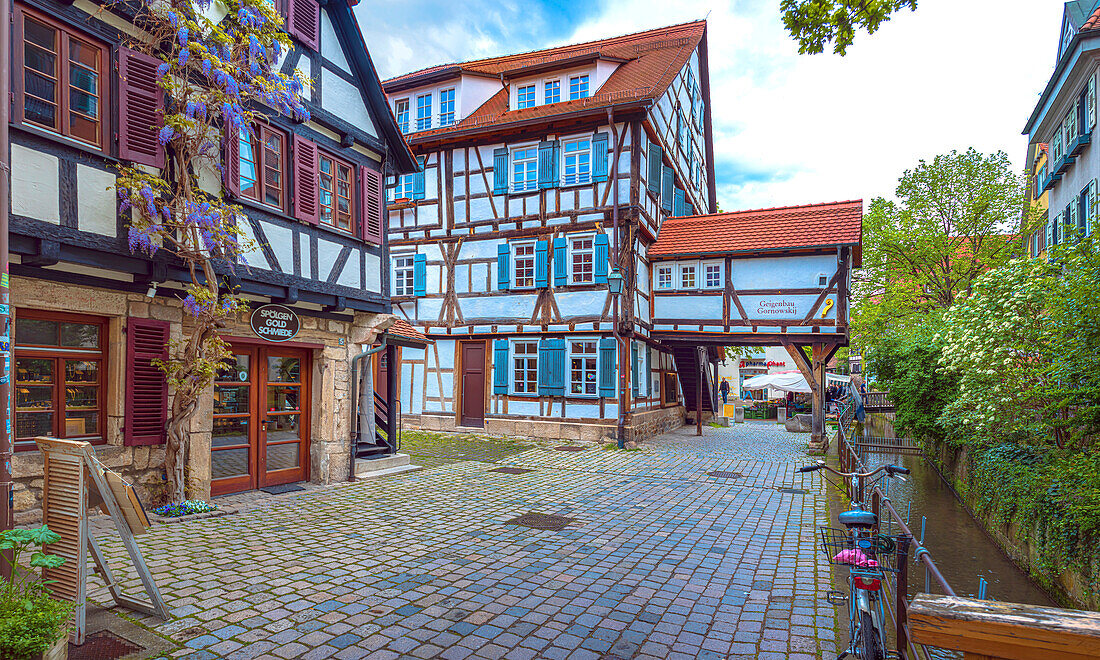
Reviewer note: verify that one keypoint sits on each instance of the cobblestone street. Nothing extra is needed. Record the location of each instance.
(661, 560)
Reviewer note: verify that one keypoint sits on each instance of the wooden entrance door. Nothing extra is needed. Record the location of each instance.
(261, 419)
(473, 384)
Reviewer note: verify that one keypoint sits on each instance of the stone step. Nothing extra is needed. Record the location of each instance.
(368, 468)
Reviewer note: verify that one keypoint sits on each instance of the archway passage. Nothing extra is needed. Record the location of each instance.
(768, 277)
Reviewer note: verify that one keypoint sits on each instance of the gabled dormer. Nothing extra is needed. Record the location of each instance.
(1076, 15)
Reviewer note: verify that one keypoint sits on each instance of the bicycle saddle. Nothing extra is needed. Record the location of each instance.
(857, 518)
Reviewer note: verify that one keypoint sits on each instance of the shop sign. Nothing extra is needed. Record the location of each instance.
(275, 323)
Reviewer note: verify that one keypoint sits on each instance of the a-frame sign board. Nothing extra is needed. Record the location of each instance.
(73, 479)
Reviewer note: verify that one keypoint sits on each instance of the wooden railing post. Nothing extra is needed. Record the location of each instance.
(991, 630)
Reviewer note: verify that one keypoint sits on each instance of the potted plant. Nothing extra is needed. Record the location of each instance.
(32, 624)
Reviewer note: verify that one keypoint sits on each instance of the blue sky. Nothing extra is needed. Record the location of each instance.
(789, 128)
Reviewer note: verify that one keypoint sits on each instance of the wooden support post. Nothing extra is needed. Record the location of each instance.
(1004, 631)
(700, 354)
(817, 433)
(392, 385)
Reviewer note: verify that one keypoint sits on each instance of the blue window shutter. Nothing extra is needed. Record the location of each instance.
(548, 165)
(552, 366)
(601, 259)
(677, 202)
(561, 268)
(418, 181)
(500, 171)
(634, 368)
(666, 190)
(653, 178)
(608, 358)
(689, 209)
(500, 366)
(599, 157)
(503, 266)
(542, 275)
(648, 373)
(420, 275)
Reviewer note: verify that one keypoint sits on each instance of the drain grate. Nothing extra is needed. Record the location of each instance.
(793, 491)
(571, 448)
(103, 645)
(511, 470)
(542, 521)
(725, 475)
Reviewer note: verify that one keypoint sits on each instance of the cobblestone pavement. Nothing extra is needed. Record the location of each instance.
(662, 560)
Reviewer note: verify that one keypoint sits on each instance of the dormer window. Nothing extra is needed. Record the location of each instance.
(526, 97)
(401, 109)
(447, 107)
(423, 112)
(578, 87)
(552, 93)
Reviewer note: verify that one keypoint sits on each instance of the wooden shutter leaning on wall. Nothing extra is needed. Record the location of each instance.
(306, 207)
(304, 21)
(504, 268)
(420, 275)
(373, 207)
(500, 171)
(146, 385)
(140, 108)
(500, 366)
(653, 176)
(599, 157)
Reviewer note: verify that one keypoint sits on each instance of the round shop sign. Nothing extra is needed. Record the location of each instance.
(275, 323)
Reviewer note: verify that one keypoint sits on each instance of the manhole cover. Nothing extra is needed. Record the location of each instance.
(509, 470)
(725, 475)
(793, 491)
(541, 521)
(571, 448)
(103, 645)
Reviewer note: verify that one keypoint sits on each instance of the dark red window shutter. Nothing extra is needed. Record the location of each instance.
(304, 21)
(306, 206)
(370, 228)
(231, 162)
(140, 108)
(146, 386)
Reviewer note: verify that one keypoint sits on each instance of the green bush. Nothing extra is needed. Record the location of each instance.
(30, 620)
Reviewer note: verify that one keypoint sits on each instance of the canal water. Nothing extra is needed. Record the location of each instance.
(960, 547)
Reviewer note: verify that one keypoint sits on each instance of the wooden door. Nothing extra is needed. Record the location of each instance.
(473, 384)
(261, 418)
(381, 374)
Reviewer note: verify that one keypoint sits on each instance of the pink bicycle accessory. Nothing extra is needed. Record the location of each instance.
(855, 557)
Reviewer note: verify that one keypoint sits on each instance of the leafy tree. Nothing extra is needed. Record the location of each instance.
(997, 341)
(955, 218)
(219, 75)
(813, 23)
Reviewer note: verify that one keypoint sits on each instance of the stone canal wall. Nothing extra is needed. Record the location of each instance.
(1029, 545)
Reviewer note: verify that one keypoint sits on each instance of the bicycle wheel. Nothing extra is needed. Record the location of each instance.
(870, 643)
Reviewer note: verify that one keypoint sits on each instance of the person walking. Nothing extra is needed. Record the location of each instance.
(724, 390)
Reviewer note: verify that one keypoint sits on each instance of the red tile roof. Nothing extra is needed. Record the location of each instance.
(650, 62)
(403, 329)
(788, 227)
(1093, 22)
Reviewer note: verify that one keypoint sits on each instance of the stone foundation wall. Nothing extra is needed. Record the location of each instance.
(336, 340)
(643, 426)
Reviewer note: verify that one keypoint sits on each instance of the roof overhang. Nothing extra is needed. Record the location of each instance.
(560, 63)
(443, 74)
(1083, 46)
(776, 251)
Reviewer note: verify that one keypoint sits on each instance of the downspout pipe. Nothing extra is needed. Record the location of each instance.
(362, 402)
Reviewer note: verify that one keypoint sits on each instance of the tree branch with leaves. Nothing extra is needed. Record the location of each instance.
(219, 76)
(814, 23)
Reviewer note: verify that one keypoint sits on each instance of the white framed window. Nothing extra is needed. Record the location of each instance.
(404, 187)
(525, 367)
(403, 275)
(712, 275)
(447, 107)
(401, 110)
(578, 87)
(582, 259)
(582, 367)
(525, 168)
(664, 277)
(551, 92)
(525, 97)
(423, 112)
(689, 276)
(523, 265)
(577, 165)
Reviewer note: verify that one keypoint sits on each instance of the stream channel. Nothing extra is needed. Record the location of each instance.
(960, 547)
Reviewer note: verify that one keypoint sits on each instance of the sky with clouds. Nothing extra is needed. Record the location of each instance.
(788, 128)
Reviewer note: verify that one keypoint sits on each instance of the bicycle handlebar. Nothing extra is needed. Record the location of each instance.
(888, 469)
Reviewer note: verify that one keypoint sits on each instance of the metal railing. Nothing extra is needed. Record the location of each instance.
(898, 583)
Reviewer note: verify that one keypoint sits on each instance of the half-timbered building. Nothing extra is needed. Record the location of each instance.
(546, 178)
(90, 314)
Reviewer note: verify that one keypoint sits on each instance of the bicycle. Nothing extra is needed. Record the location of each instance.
(857, 546)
